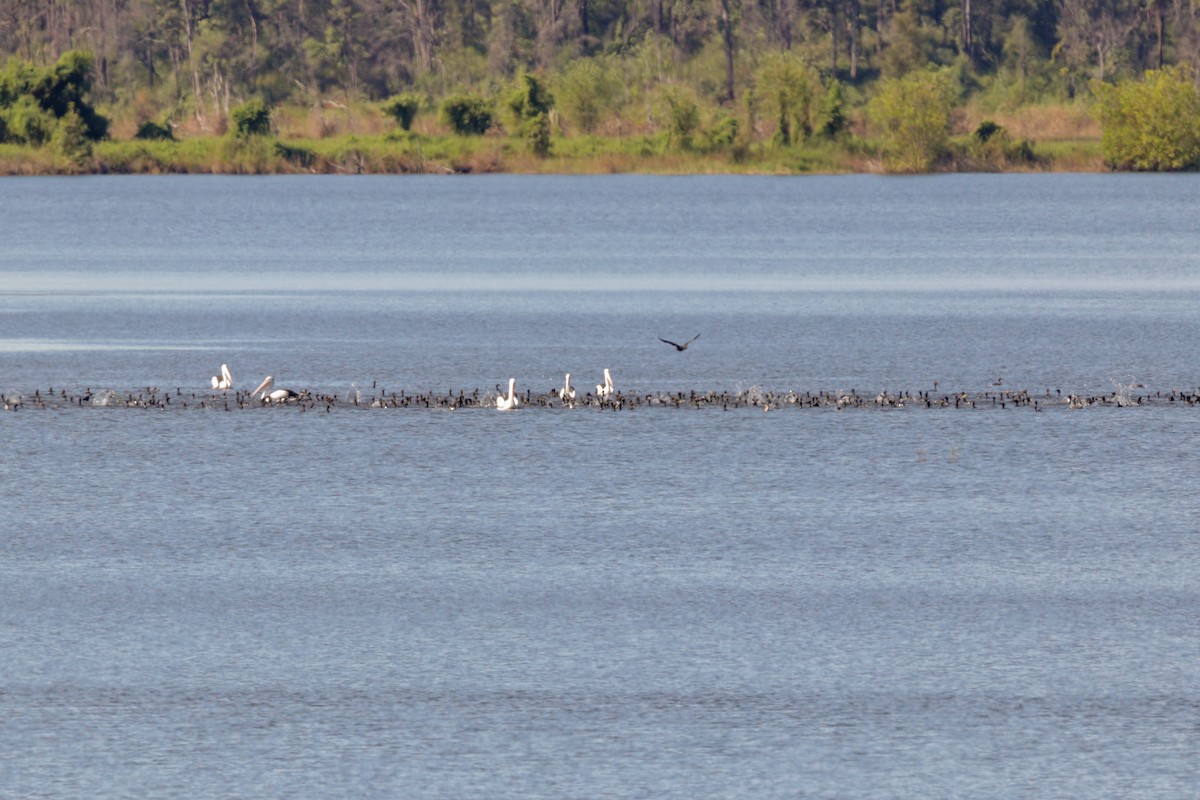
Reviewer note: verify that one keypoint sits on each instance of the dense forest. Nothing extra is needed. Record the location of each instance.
(701, 70)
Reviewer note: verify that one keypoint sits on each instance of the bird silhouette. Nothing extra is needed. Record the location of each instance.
(680, 347)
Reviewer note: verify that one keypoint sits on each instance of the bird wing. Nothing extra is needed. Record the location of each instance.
(668, 341)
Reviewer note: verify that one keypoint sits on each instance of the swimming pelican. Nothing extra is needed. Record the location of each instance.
(605, 390)
(510, 402)
(680, 347)
(224, 382)
(277, 396)
(567, 394)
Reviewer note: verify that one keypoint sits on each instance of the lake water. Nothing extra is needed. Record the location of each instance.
(332, 600)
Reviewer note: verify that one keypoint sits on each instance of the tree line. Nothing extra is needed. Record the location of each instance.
(699, 71)
(209, 54)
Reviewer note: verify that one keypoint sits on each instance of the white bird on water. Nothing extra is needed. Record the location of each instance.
(510, 402)
(225, 381)
(604, 391)
(567, 394)
(277, 396)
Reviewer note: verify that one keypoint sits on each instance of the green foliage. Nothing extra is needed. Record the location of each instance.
(990, 145)
(467, 115)
(986, 130)
(912, 45)
(588, 90)
(402, 108)
(530, 98)
(26, 122)
(295, 154)
(16, 79)
(537, 134)
(787, 88)
(152, 131)
(1024, 75)
(34, 100)
(912, 116)
(1153, 124)
(250, 155)
(530, 103)
(251, 118)
(722, 134)
(70, 140)
(682, 111)
(833, 111)
(70, 79)
(611, 57)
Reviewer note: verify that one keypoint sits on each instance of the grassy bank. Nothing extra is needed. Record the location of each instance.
(360, 140)
(421, 154)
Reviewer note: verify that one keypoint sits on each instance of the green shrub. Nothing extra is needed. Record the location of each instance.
(832, 119)
(26, 122)
(986, 130)
(153, 132)
(468, 115)
(70, 138)
(402, 108)
(253, 155)
(530, 99)
(682, 110)
(530, 103)
(1151, 125)
(251, 118)
(295, 154)
(537, 134)
(587, 91)
(33, 99)
(991, 143)
(723, 133)
(69, 80)
(787, 88)
(912, 116)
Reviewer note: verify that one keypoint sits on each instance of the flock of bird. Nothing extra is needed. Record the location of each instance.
(606, 395)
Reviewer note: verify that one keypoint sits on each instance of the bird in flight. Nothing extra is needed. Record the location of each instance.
(680, 347)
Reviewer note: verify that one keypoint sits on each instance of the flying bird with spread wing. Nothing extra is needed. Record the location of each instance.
(680, 347)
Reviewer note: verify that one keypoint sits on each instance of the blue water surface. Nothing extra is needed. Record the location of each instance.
(661, 602)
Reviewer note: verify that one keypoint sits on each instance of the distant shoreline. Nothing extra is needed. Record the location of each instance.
(413, 154)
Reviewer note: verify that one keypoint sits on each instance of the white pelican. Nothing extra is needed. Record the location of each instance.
(680, 347)
(225, 381)
(277, 396)
(605, 390)
(567, 394)
(510, 402)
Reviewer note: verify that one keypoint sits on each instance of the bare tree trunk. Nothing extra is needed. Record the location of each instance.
(833, 33)
(727, 23)
(786, 23)
(52, 24)
(197, 90)
(253, 37)
(149, 56)
(422, 35)
(852, 31)
(1159, 22)
(968, 34)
